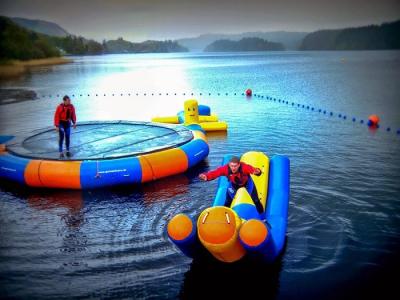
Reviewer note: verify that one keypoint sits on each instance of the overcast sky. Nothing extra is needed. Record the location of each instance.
(138, 20)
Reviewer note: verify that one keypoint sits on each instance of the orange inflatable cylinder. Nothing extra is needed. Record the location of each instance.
(256, 238)
(53, 174)
(158, 164)
(182, 232)
(253, 233)
(179, 227)
(217, 229)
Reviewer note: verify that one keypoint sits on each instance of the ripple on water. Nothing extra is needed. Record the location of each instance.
(316, 234)
(345, 179)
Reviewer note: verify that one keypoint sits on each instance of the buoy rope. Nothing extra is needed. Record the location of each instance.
(255, 95)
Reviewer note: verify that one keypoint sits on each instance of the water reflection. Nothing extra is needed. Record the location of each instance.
(73, 239)
(372, 129)
(165, 189)
(70, 199)
(210, 279)
(74, 200)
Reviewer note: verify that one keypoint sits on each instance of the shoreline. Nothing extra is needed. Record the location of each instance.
(10, 96)
(15, 68)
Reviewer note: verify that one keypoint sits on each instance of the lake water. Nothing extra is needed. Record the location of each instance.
(343, 234)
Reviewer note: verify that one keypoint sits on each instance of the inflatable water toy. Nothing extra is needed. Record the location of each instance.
(373, 121)
(230, 233)
(104, 154)
(249, 92)
(194, 113)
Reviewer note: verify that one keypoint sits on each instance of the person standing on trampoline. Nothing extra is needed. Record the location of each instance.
(63, 117)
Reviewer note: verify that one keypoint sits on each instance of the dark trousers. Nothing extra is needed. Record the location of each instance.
(64, 130)
(251, 188)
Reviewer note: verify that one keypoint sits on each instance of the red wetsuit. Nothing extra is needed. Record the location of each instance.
(238, 179)
(65, 114)
(62, 119)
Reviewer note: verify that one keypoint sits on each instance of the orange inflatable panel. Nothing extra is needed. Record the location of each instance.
(53, 174)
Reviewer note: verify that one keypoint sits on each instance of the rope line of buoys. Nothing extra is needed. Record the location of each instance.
(139, 94)
(372, 121)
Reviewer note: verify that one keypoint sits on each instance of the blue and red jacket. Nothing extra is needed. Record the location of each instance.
(64, 113)
(238, 179)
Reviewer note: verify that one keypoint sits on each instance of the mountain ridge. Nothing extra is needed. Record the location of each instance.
(243, 45)
(41, 26)
(371, 37)
(291, 40)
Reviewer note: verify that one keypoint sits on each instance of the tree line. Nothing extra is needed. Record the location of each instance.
(19, 43)
(245, 44)
(373, 37)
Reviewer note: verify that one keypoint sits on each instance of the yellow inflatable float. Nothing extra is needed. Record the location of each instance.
(194, 113)
(231, 233)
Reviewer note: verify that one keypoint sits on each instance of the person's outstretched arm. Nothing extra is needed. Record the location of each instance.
(211, 175)
(251, 170)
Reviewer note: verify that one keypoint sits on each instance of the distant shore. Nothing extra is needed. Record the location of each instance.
(15, 68)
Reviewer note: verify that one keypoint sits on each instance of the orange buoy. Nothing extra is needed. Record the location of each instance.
(249, 92)
(180, 227)
(373, 120)
(253, 233)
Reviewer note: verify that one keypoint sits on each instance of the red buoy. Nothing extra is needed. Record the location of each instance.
(373, 120)
(249, 92)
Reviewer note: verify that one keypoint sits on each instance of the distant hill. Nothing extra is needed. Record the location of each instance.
(373, 37)
(22, 44)
(290, 40)
(122, 46)
(76, 45)
(245, 44)
(18, 42)
(40, 26)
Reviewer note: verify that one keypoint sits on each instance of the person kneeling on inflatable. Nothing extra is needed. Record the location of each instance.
(238, 174)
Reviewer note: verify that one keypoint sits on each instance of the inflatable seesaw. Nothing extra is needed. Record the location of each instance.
(194, 113)
(230, 233)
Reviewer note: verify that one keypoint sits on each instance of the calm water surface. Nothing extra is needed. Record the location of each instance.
(343, 233)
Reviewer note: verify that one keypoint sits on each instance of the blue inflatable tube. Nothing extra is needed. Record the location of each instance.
(278, 201)
(276, 213)
(223, 184)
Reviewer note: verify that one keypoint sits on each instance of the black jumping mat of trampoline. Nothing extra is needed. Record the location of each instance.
(103, 140)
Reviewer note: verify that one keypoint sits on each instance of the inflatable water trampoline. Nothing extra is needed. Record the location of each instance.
(104, 154)
(230, 233)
